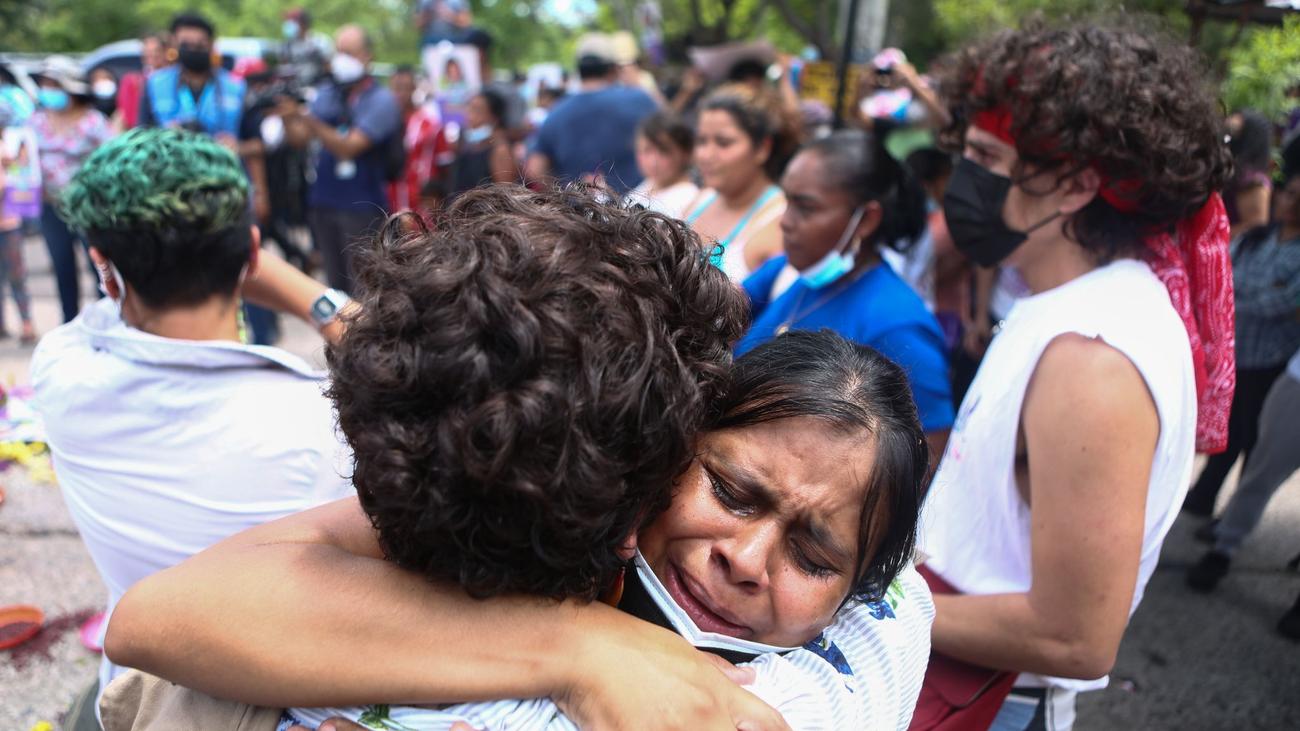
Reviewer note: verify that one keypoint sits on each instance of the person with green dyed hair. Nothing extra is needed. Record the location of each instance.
(169, 432)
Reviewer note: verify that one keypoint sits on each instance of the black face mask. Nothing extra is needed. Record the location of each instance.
(195, 60)
(972, 206)
(106, 107)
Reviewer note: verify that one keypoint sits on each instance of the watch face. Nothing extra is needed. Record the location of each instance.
(323, 309)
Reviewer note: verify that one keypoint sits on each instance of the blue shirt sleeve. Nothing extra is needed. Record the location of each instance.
(323, 106)
(919, 351)
(378, 116)
(758, 286)
(545, 142)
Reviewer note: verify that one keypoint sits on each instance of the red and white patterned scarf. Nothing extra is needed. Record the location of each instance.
(1195, 265)
(1196, 268)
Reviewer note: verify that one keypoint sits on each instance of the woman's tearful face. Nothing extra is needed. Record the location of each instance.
(762, 541)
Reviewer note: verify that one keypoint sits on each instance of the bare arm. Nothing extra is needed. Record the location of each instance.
(303, 611)
(253, 153)
(937, 114)
(785, 87)
(503, 165)
(1090, 430)
(538, 168)
(279, 286)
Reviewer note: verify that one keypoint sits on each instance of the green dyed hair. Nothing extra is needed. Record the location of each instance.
(169, 208)
(150, 179)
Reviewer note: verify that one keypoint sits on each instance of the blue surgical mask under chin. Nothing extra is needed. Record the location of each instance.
(837, 262)
(55, 99)
(478, 134)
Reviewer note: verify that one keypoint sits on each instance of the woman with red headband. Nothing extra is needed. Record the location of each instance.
(1091, 161)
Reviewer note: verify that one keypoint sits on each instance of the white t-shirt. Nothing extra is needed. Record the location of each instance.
(975, 527)
(164, 447)
(670, 201)
(864, 672)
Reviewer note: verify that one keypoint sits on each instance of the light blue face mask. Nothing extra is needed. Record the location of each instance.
(289, 29)
(838, 261)
(478, 134)
(55, 99)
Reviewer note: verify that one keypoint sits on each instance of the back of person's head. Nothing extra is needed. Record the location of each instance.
(1133, 104)
(855, 389)
(191, 19)
(760, 114)
(497, 104)
(1250, 139)
(930, 165)
(668, 132)
(594, 68)
(747, 71)
(857, 162)
(302, 15)
(521, 386)
(169, 208)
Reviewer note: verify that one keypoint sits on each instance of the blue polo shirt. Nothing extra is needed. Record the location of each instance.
(878, 310)
(376, 113)
(594, 133)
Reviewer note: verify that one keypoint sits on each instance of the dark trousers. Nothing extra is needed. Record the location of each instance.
(1253, 385)
(63, 245)
(336, 235)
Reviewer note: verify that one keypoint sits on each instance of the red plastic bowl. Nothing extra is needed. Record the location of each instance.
(19, 623)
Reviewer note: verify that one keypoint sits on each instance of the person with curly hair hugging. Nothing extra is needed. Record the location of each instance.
(1091, 160)
(541, 403)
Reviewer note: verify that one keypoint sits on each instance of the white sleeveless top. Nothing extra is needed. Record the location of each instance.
(975, 526)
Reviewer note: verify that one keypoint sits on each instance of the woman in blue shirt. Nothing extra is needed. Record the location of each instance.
(846, 197)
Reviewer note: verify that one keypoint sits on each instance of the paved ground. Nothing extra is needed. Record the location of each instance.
(1188, 663)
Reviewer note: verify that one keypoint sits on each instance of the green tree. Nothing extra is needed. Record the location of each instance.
(1263, 68)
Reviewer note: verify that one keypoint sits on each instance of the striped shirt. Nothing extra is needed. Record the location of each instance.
(1266, 282)
(863, 672)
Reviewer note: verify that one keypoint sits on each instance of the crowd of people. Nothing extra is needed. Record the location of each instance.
(891, 421)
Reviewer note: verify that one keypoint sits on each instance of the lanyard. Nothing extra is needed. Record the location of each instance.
(189, 109)
(797, 314)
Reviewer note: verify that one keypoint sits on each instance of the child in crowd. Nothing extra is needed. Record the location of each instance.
(664, 146)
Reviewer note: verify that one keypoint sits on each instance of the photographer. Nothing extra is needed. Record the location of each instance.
(286, 165)
(304, 56)
(356, 120)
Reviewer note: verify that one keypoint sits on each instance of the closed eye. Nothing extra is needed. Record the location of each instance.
(727, 495)
(810, 566)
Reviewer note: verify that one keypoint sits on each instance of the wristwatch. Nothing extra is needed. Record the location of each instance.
(326, 307)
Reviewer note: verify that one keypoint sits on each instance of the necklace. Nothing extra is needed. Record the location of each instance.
(798, 314)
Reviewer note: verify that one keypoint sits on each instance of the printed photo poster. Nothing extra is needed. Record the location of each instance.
(454, 73)
(21, 174)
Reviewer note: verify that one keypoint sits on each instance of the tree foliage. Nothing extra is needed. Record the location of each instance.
(1263, 68)
(530, 31)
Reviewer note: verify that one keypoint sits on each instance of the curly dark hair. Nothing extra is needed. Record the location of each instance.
(853, 388)
(1131, 103)
(521, 386)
